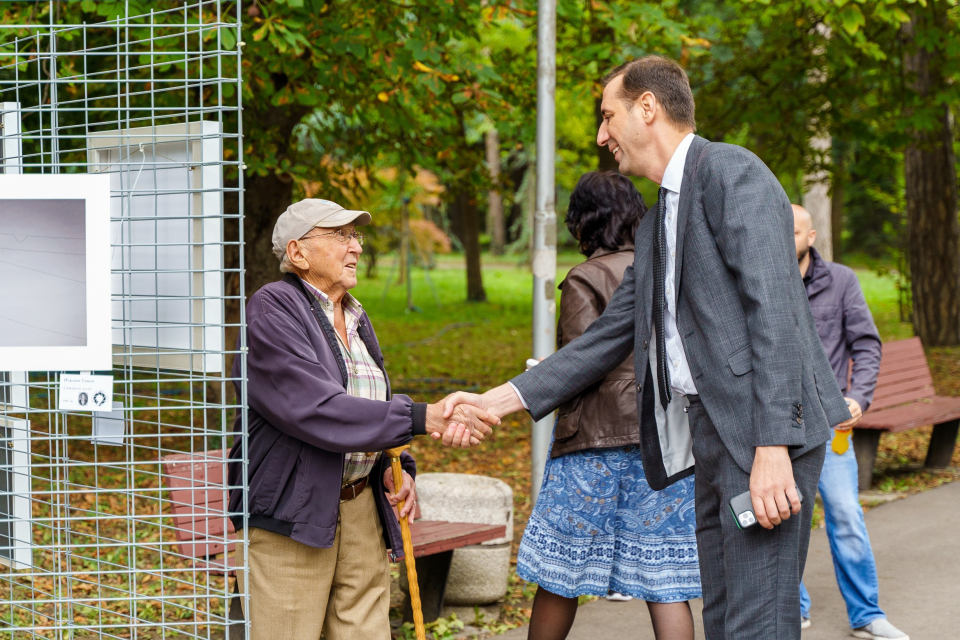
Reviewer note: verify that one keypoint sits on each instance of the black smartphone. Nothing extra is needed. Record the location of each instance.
(742, 508)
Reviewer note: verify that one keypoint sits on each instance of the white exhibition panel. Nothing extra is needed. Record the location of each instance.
(16, 537)
(167, 233)
(54, 272)
(10, 142)
(15, 510)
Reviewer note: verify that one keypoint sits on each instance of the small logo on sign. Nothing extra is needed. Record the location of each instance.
(99, 398)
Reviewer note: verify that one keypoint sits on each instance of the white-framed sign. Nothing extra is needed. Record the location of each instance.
(54, 272)
(167, 234)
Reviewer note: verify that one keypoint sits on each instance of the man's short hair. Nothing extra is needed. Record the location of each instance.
(665, 79)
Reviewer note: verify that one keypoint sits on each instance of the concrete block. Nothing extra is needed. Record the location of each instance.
(478, 575)
(460, 497)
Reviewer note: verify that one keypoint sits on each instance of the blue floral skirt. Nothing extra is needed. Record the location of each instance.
(598, 527)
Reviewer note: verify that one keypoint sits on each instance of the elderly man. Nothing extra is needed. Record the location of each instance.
(320, 412)
(848, 332)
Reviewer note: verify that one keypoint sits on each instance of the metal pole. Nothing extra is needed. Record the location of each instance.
(545, 221)
(405, 255)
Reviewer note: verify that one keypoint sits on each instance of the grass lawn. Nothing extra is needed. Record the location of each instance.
(459, 345)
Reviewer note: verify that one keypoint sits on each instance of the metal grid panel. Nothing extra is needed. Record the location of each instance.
(106, 540)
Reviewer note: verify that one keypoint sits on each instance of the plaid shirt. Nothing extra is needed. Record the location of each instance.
(364, 377)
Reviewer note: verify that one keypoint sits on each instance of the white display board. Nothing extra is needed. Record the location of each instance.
(16, 539)
(11, 156)
(54, 272)
(13, 390)
(167, 234)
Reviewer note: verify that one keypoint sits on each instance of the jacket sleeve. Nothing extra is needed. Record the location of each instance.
(294, 392)
(579, 306)
(607, 342)
(863, 341)
(409, 464)
(751, 219)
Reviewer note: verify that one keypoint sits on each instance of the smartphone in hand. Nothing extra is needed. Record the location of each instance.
(742, 508)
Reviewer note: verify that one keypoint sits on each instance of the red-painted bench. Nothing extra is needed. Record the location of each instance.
(904, 400)
(197, 492)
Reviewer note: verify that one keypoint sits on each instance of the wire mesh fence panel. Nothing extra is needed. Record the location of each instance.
(116, 522)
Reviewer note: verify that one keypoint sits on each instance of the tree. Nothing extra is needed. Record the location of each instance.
(931, 176)
(369, 75)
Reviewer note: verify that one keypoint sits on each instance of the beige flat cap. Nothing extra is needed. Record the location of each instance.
(300, 217)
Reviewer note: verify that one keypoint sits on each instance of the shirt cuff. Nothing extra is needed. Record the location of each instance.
(419, 415)
(519, 395)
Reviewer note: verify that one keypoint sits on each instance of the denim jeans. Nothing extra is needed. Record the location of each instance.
(849, 544)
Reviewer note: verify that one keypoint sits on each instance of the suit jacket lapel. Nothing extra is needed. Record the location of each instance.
(642, 266)
(687, 191)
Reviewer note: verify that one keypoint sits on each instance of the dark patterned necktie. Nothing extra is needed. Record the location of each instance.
(659, 297)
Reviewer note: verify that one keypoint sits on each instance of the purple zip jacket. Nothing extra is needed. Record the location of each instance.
(301, 421)
(845, 326)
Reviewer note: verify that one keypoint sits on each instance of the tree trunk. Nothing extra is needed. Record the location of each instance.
(931, 192)
(605, 160)
(469, 215)
(601, 34)
(836, 204)
(495, 224)
(404, 258)
(816, 198)
(264, 199)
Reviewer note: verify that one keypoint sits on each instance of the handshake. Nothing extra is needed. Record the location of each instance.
(462, 420)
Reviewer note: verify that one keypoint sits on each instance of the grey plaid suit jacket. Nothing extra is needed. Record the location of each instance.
(742, 313)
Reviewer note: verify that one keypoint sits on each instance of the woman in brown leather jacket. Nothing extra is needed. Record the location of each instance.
(597, 526)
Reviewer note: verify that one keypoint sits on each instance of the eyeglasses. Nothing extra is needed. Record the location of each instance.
(340, 235)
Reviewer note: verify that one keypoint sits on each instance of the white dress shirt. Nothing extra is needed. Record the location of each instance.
(681, 380)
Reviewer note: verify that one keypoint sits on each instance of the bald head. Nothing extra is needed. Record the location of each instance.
(804, 234)
(802, 216)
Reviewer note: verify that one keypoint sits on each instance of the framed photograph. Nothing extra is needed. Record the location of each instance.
(167, 233)
(54, 272)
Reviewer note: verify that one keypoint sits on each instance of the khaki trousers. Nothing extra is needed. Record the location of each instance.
(298, 592)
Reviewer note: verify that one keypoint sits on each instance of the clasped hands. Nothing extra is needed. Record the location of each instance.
(459, 425)
(462, 419)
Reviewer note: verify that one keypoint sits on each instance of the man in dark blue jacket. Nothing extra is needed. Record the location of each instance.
(847, 331)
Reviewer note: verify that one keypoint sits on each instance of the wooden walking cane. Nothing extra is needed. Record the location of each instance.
(394, 455)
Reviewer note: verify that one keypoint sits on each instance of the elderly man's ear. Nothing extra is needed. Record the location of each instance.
(296, 257)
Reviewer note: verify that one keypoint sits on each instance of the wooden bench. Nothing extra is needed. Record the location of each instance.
(197, 495)
(904, 400)
(197, 492)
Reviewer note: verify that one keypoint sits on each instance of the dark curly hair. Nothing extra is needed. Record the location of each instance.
(605, 211)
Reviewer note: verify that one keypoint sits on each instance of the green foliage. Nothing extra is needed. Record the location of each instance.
(332, 87)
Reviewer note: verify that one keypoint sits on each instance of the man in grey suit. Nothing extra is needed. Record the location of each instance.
(730, 372)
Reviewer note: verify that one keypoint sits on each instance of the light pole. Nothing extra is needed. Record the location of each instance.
(544, 258)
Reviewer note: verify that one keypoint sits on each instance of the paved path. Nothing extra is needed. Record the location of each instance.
(917, 544)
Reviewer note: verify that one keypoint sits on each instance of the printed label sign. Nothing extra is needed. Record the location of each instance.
(85, 392)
